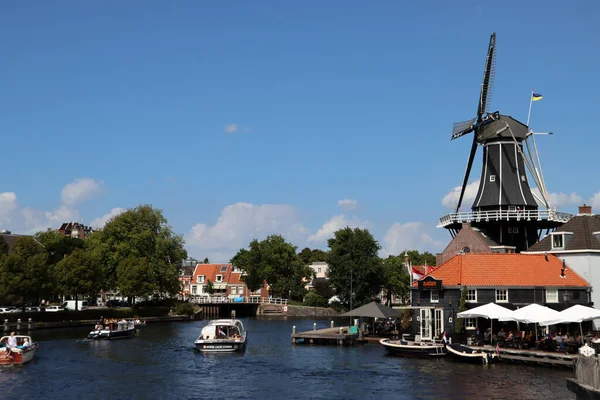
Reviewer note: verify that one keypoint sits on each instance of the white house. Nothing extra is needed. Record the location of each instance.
(577, 242)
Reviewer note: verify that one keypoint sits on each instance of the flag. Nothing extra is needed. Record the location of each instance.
(444, 340)
(536, 97)
(220, 331)
(497, 349)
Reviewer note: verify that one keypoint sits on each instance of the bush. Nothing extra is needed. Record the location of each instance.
(184, 309)
(313, 299)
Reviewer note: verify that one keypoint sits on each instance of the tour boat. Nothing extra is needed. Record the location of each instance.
(222, 336)
(467, 354)
(413, 348)
(123, 330)
(19, 354)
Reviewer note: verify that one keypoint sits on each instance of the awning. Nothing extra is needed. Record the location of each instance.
(219, 286)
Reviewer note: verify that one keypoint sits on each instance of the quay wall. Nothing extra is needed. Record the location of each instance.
(295, 311)
(26, 326)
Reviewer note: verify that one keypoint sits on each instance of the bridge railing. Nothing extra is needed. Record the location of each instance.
(246, 299)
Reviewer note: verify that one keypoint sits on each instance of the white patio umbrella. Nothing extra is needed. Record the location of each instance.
(533, 314)
(574, 314)
(490, 311)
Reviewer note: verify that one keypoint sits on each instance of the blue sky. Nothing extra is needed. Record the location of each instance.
(240, 119)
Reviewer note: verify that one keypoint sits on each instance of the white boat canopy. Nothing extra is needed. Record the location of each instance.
(532, 314)
(489, 311)
(574, 314)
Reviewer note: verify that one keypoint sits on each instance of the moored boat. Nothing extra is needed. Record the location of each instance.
(121, 330)
(413, 348)
(21, 354)
(222, 336)
(467, 354)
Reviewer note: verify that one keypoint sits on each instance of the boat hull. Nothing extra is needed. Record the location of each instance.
(465, 354)
(208, 346)
(111, 335)
(411, 349)
(18, 356)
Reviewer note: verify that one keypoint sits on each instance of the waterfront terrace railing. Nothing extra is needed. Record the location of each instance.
(506, 215)
(247, 299)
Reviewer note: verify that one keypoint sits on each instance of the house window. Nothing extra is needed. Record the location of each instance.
(557, 241)
(470, 323)
(194, 289)
(319, 270)
(551, 295)
(435, 296)
(200, 279)
(234, 290)
(501, 295)
(472, 296)
(219, 278)
(492, 178)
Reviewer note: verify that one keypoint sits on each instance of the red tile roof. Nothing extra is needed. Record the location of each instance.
(210, 272)
(499, 269)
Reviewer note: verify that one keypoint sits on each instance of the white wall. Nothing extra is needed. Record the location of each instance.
(587, 265)
(322, 266)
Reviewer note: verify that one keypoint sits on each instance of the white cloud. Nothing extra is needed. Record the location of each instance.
(412, 236)
(8, 205)
(81, 190)
(231, 128)
(239, 223)
(595, 203)
(559, 199)
(348, 205)
(451, 199)
(334, 224)
(101, 221)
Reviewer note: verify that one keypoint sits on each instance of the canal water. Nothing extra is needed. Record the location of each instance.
(161, 363)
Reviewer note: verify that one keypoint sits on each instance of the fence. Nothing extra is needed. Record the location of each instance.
(250, 299)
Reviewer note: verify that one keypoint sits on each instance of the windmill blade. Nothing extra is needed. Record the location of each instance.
(462, 128)
(489, 73)
(467, 172)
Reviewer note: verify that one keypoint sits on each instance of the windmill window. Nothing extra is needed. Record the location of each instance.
(492, 178)
(523, 178)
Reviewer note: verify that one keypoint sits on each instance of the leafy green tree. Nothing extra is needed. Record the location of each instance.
(249, 261)
(12, 274)
(396, 279)
(314, 299)
(323, 288)
(308, 256)
(78, 274)
(210, 287)
(140, 253)
(57, 246)
(353, 261)
(33, 275)
(3, 246)
(417, 258)
(206, 261)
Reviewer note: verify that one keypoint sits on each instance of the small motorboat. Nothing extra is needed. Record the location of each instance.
(121, 330)
(222, 336)
(467, 354)
(22, 354)
(405, 347)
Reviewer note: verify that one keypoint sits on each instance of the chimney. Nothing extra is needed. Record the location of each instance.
(585, 210)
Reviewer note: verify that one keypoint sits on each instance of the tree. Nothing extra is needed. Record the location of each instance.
(417, 258)
(353, 261)
(3, 246)
(308, 256)
(78, 274)
(313, 299)
(249, 261)
(396, 279)
(210, 287)
(206, 261)
(26, 269)
(57, 245)
(140, 253)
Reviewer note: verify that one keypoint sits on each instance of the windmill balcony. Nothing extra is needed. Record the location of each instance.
(503, 215)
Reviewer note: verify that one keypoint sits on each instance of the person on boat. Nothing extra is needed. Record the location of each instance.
(26, 344)
(98, 327)
(12, 341)
(596, 339)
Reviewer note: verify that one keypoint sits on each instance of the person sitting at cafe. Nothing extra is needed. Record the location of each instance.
(501, 334)
(558, 339)
(487, 335)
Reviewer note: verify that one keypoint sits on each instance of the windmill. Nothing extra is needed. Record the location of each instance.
(505, 208)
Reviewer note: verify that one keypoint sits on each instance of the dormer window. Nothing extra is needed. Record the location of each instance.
(200, 279)
(560, 240)
(219, 278)
(223, 268)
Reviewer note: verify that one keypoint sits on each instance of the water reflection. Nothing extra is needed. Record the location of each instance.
(161, 362)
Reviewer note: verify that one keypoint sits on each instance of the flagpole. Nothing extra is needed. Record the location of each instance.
(530, 103)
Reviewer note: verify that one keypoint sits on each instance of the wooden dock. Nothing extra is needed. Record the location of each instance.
(532, 356)
(334, 335)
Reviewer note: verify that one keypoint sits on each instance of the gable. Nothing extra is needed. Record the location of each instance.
(582, 228)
